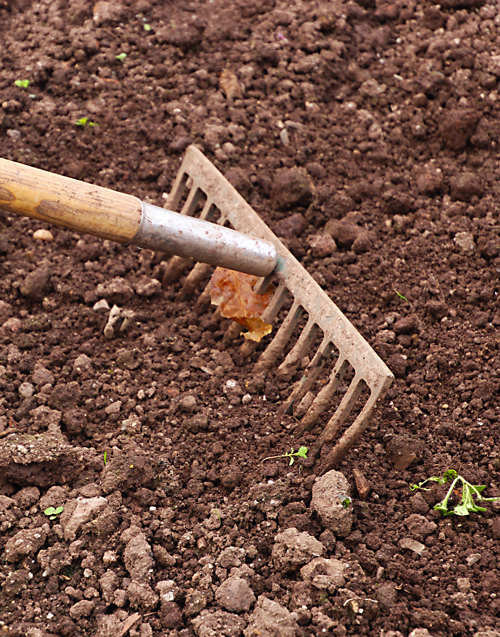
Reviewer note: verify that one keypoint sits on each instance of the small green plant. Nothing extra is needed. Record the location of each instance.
(147, 27)
(52, 513)
(121, 57)
(403, 298)
(84, 121)
(105, 458)
(301, 453)
(346, 501)
(469, 492)
(22, 83)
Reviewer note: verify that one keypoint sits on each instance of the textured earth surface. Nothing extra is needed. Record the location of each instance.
(366, 135)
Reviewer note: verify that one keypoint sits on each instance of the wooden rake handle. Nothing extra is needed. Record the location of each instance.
(68, 203)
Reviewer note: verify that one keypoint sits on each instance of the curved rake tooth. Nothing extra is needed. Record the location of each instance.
(203, 301)
(193, 279)
(298, 351)
(175, 269)
(342, 412)
(311, 374)
(351, 435)
(191, 202)
(232, 333)
(174, 198)
(322, 400)
(268, 316)
(208, 210)
(275, 348)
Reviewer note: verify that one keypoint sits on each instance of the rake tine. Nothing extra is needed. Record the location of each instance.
(349, 438)
(191, 202)
(268, 316)
(196, 276)
(300, 348)
(270, 355)
(342, 412)
(322, 400)
(313, 370)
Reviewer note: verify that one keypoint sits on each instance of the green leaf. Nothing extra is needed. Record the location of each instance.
(22, 83)
(345, 501)
(50, 511)
(302, 452)
(147, 27)
(448, 475)
(121, 57)
(59, 510)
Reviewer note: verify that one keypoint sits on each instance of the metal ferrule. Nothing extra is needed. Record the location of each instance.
(167, 231)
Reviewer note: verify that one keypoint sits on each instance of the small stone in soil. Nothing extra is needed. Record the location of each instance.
(235, 595)
(328, 496)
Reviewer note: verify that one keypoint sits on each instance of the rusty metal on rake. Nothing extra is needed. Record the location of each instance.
(202, 181)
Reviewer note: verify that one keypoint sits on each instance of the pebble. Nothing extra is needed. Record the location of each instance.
(463, 584)
(81, 609)
(82, 364)
(26, 390)
(403, 450)
(188, 404)
(43, 235)
(387, 596)
(322, 245)
(329, 495)
(37, 284)
(291, 226)
(292, 187)
(235, 595)
(412, 545)
(464, 242)
(430, 181)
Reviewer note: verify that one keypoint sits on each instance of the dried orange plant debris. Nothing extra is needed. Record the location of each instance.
(233, 293)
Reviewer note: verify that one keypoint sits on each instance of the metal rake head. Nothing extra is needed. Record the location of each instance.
(349, 374)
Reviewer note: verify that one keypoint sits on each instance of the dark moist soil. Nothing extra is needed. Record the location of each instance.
(390, 110)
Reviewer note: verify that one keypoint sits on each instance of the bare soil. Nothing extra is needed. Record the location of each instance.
(153, 440)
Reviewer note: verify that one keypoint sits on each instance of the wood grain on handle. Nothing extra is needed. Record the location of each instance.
(68, 203)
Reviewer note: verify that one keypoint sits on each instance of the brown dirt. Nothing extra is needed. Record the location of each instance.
(391, 108)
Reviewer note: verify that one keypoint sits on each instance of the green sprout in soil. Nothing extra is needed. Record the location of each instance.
(301, 453)
(22, 83)
(346, 501)
(469, 492)
(84, 121)
(403, 298)
(121, 57)
(105, 458)
(52, 513)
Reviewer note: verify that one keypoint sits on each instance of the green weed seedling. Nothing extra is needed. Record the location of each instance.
(52, 513)
(22, 83)
(469, 492)
(84, 121)
(121, 57)
(346, 501)
(403, 298)
(301, 453)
